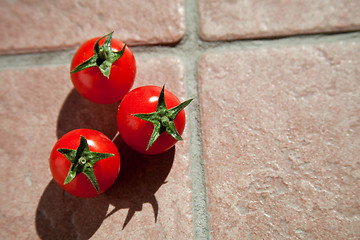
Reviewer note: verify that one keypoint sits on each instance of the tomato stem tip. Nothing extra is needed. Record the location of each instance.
(103, 57)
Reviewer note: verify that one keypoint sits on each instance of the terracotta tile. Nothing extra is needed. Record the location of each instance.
(281, 141)
(151, 199)
(168, 71)
(235, 19)
(35, 25)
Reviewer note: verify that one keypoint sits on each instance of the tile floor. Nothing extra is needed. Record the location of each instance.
(272, 143)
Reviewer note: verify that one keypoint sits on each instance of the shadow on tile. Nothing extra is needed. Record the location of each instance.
(140, 178)
(59, 215)
(78, 112)
(62, 216)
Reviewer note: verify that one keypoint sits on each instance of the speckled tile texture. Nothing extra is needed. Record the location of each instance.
(35, 25)
(285, 162)
(243, 19)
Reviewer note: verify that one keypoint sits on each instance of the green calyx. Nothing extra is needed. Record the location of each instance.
(82, 161)
(103, 57)
(163, 119)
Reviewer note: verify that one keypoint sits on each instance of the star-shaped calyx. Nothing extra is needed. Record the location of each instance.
(82, 161)
(103, 57)
(163, 119)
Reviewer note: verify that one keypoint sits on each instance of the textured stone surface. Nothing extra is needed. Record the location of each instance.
(151, 198)
(36, 25)
(281, 141)
(239, 19)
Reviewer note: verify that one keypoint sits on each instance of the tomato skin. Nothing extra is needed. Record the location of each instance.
(137, 132)
(93, 85)
(106, 170)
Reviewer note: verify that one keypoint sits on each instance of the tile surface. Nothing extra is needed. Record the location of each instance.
(241, 19)
(38, 106)
(281, 141)
(35, 25)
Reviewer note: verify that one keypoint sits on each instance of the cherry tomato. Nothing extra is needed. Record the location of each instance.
(103, 70)
(84, 162)
(150, 119)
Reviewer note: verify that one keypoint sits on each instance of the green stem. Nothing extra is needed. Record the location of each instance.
(82, 161)
(103, 57)
(165, 121)
(163, 118)
(102, 54)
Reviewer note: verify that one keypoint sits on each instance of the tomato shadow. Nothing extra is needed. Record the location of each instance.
(140, 178)
(60, 215)
(78, 112)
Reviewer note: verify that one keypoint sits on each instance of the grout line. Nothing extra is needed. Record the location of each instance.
(197, 169)
(27, 60)
(190, 46)
(296, 40)
(191, 43)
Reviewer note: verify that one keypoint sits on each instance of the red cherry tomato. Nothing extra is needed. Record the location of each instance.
(91, 82)
(137, 132)
(85, 162)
